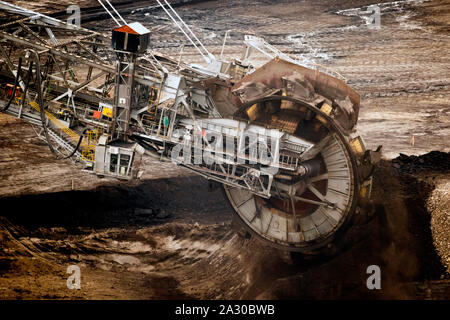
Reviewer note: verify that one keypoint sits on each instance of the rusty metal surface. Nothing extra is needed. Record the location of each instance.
(306, 84)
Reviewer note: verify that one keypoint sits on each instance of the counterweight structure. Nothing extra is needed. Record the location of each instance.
(281, 139)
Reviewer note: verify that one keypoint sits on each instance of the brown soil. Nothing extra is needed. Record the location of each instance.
(170, 236)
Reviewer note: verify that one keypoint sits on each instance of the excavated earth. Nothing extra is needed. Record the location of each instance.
(171, 235)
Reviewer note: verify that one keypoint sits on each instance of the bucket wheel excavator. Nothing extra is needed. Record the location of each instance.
(281, 139)
(320, 190)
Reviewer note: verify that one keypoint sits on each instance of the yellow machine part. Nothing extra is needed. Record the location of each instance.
(87, 145)
(107, 112)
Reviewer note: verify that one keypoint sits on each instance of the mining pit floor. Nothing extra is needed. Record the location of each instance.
(168, 236)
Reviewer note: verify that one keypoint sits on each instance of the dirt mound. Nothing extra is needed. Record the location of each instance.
(432, 161)
(432, 170)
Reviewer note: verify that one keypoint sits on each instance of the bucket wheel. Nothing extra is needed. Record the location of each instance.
(310, 209)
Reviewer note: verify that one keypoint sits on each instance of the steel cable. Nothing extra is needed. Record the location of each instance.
(16, 83)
